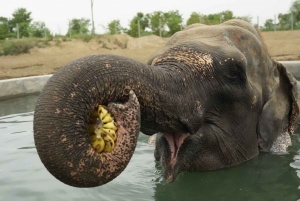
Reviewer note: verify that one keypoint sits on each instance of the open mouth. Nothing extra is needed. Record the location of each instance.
(175, 140)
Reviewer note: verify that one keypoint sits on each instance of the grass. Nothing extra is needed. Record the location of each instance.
(57, 42)
(105, 46)
(24, 45)
(21, 46)
(121, 44)
(36, 67)
(84, 37)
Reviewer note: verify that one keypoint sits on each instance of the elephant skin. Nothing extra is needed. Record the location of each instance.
(213, 95)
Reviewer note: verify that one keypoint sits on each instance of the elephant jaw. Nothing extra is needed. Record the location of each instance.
(175, 141)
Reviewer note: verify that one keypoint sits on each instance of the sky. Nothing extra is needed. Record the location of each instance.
(57, 13)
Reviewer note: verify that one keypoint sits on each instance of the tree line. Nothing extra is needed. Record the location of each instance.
(167, 23)
(285, 21)
(159, 23)
(21, 25)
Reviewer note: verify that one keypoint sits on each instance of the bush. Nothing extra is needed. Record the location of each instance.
(21, 46)
(121, 44)
(105, 46)
(57, 42)
(15, 47)
(84, 37)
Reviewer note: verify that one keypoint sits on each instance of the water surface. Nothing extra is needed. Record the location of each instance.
(23, 176)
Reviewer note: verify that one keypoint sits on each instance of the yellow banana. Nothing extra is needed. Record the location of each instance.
(98, 132)
(99, 109)
(110, 125)
(102, 112)
(102, 130)
(111, 133)
(107, 118)
(99, 145)
(109, 143)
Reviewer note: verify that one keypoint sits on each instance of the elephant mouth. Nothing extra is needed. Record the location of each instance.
(175, 141)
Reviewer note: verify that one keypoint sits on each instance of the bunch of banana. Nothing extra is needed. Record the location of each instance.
(102, 130)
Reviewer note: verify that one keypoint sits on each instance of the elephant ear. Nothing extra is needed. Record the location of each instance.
(280, 112)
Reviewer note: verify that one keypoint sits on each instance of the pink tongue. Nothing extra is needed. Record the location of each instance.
(175, 141)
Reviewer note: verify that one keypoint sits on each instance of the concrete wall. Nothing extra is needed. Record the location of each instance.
(293, 67)
(30, 85)
(22, 86)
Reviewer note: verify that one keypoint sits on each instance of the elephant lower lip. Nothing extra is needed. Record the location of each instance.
(175, 140)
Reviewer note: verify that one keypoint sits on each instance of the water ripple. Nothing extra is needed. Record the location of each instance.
(23, 176)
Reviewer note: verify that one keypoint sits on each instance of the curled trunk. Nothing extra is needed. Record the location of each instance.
(63, 109)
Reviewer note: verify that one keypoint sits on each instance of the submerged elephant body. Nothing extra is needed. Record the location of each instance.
(213, 95)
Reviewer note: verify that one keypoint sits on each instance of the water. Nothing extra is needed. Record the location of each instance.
(23, 177)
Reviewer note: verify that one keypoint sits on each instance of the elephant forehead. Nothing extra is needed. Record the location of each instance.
(188, 55)
(226, 39)
(200, 45)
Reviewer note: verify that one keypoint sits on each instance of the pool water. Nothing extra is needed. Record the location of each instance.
(23, 176)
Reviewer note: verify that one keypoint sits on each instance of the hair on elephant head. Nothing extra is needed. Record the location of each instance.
(213, 94)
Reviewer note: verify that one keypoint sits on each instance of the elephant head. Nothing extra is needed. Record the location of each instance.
(213, 94)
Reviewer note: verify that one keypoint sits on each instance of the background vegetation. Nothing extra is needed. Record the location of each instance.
(21, 26)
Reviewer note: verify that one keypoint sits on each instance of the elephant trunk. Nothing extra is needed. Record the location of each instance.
(63, 109)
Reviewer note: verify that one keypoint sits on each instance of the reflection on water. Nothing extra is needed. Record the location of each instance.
(23, 177)
(267, 177)
(18, 105)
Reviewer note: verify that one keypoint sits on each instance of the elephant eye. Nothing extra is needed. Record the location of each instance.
(236, 74)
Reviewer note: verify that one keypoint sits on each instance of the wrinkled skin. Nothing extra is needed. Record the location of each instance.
(246, 100)
(213, 95)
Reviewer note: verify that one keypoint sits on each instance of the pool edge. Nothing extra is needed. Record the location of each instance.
(16, 87)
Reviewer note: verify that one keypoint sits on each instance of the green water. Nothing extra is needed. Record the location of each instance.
(23, 177)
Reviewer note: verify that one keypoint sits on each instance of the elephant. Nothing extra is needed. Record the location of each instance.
(213, 95)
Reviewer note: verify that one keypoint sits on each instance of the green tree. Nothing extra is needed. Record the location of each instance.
(141, 19)
(193, 19)
(218, 18)
(246, 18)
(21, 18)
(269, 24)
(173, 21)
(38, 29)
(210, 19)
(285, 21)
(114, 27)
(226, 15)
(157, 23)
(4, 28)
(79, 26)
(295, 8)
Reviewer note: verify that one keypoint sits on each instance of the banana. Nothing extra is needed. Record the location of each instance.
(99, 145)
(107, 118)
(98, 132)
(110, 125)
(93, 138)
(109, 143)
(102, 112)
(111, 133)
(102, 130)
